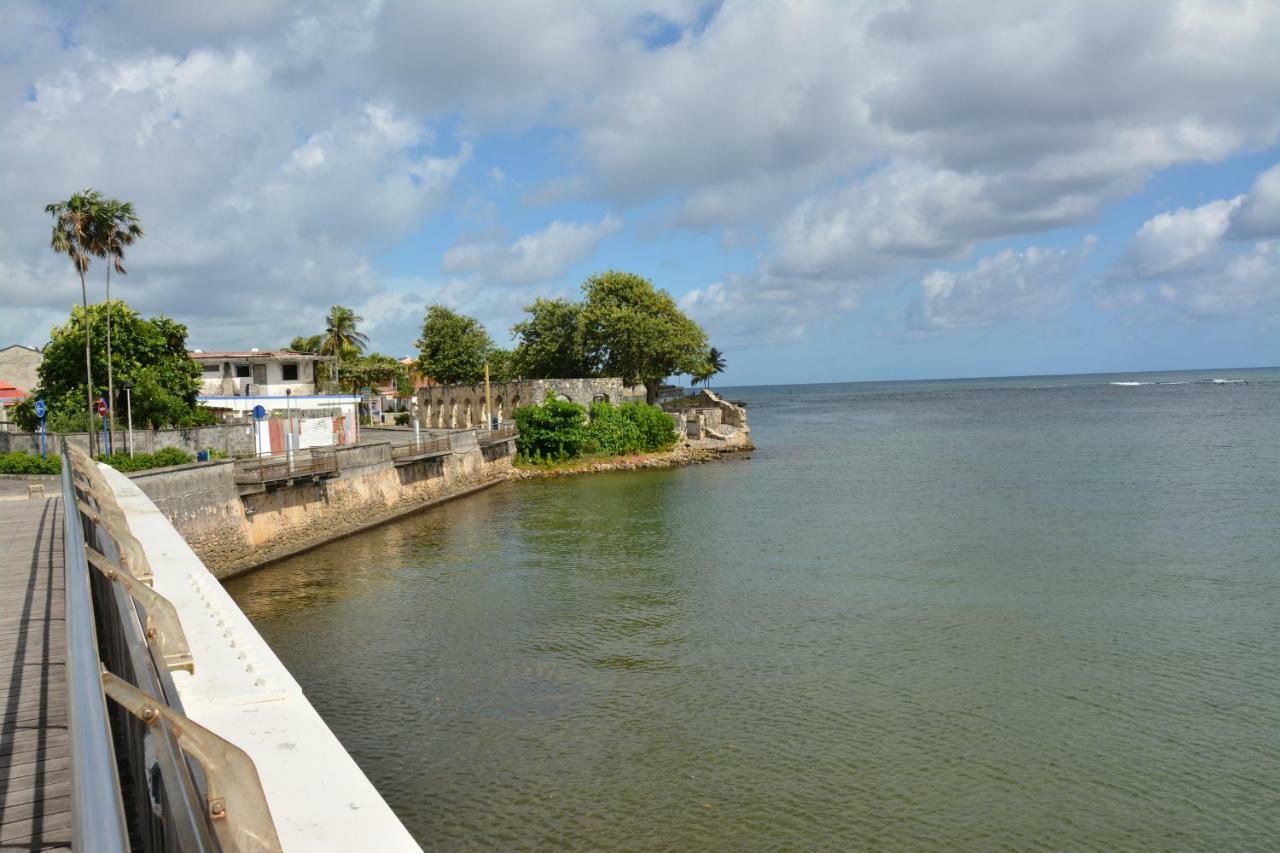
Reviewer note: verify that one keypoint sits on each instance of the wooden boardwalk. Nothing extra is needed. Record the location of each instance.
(35, 780)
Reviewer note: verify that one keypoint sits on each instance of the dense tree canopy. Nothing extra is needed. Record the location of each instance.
(636, 332)
(151, 354)
(453, 347)
(549, 343)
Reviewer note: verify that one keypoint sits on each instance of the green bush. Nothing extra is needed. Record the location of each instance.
(657, 428)
(29, 463)
(629, 428)
(612, 432)
(402, 419)
(552, 431)
(143, 461)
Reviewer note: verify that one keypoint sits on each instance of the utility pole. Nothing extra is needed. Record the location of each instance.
(128, 406)
(488, 403)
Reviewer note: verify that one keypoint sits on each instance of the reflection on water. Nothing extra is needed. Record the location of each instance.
(928, 617)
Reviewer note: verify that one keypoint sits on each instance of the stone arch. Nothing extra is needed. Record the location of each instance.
(466, 413)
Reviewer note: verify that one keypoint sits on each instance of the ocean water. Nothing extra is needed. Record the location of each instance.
(1040, 613)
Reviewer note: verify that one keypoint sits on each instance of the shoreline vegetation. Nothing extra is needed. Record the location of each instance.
(679, 457)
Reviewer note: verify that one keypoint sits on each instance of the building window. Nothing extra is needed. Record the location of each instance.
(209, 367)
(290, 371)
(243, 371)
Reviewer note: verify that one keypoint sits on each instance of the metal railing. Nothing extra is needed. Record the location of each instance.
(143, 775)
(301, 463)
(420, 447)
(493, 436)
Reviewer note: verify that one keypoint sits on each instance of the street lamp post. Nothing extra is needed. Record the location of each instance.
(288, 439)
(128, 407)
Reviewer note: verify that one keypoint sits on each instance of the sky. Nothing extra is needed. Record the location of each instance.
(834, 190)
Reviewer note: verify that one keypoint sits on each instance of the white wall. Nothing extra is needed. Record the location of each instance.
(215, 384)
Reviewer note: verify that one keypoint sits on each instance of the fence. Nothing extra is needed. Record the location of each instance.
(315, 462)
(493, 436)
(184, 787)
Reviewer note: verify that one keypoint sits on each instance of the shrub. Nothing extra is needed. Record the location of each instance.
(402, 419)
(143, 461)
(657, 429)
(29, 463)
(551, 431)
(612, 432)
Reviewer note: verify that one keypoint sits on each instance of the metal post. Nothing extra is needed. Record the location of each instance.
(288, 439)
(128, 405)
(488, 403)
(417, 434)
(42, 454)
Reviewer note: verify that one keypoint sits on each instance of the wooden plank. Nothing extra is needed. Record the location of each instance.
(34, 750)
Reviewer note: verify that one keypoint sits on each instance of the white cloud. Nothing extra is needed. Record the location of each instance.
(277, 149)
(1009, 287)
(542, 256)
(1201, 262)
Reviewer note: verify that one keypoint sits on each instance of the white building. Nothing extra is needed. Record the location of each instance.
(258, 373)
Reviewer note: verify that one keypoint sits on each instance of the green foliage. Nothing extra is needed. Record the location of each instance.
(611, 432)
(402, 419)
(306, 343)
(143, 461)
(629, 428)
(502, 365)
(453, 347)
(29, 463)
(552, 431)
(341, 335)
(636, 332)
(152, 354)
(371, 371)
(550, 342)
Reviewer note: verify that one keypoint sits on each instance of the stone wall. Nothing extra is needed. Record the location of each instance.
(463, 406)
(234, 439)
(233, 533)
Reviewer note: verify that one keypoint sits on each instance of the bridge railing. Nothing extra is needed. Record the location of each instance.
(184, 787)
(420, 447)
(300, 463)
(493, 436)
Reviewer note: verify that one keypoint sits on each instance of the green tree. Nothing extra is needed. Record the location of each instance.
(75, 222)
(118, 227)
(342, 337)
(372, 370)
(549, 343)
(152, 354)
(637, 332)
(306, 343)
(712, 365)
(453, 347)
(502, 365)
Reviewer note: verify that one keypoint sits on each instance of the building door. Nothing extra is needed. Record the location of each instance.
(260, 375)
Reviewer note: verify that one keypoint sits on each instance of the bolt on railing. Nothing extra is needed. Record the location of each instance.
(184, 787)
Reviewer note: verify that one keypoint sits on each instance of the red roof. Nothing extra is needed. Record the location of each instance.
(11, 393)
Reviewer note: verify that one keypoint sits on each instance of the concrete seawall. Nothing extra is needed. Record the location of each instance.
(233, 529)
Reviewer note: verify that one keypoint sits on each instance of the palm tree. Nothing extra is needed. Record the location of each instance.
(75, 223)
(119, 227)
(341, 335)
(715, 364)
(306, 343)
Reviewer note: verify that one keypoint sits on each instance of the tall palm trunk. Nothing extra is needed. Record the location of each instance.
(111, 388)
(88, 362)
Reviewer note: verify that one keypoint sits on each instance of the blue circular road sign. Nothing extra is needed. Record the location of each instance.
(40, 409)
(259, 412)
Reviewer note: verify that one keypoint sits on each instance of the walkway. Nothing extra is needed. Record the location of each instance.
(35, 782)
